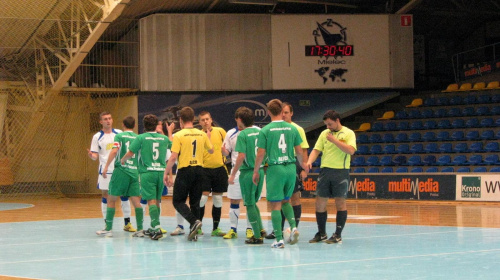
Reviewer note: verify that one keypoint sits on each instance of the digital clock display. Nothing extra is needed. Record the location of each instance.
(335, 50)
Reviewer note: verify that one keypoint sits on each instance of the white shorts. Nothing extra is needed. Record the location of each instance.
(234, 190)
(103, 183)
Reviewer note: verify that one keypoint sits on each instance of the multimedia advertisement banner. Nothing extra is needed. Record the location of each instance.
(478, 187)
(477, 71)
(410, 186)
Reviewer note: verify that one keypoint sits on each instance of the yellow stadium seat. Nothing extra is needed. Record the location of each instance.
(364, 127)
(451, 88)
(493, 85)
(387, 115)
(479, 86)
(417, 102)
(465, 87)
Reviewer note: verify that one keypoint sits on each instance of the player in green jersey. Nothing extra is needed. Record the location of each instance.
(277, 142)
(151, 148)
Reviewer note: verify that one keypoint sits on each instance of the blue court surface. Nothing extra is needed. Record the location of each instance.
(70, 249)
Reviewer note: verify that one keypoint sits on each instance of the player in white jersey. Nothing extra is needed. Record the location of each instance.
(234, 190)
(101, 146)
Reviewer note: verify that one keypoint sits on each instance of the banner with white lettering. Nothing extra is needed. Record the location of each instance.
(478, 187)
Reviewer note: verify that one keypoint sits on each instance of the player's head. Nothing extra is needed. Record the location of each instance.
(129, 122)
(150, 122)
(244, 116)
(164, 124)
(159, 127)
(187, 115)
(332, 120)
(287, 112)
(205, 120)
(106, 120)
(275, 107)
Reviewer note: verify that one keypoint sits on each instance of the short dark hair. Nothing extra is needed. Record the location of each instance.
(150, 122)
(129, 122)
(245, 115)
(275, 107)
(103, 114)
(202, 113)
(186, 114)
(332, 115)
(284, 104)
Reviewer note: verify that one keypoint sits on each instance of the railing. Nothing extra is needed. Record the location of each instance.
(476, 61)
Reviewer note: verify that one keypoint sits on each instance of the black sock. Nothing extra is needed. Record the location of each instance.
(216, 213)
(297, 211)
(127, 221)
(202, 213)
(341, 219)
(321, 218)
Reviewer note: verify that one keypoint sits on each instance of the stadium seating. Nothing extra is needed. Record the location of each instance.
(474, 122)
(459, 160)
(416, 125)
(443, 124)
(404, 125)
(390, 126)
(376, 149)
(479, 86)
(363, 127)
(417, 148)
(386, 161)
(492, 159)
(373, 161)
(442, 101)
(487, 122)
(415, 160)
(463, 169)
(444, 160)
(429, 160)
(460, 148)
(402, 137)
(468, 111)
(430, 124)
(493, 85)
(465, 87)
(429, 136)
(454, 112)
(451, 88)
(443, 136)
(362, 138)
(427, 113)
(445, 148)
(372, 170)
(399, 160)
(388, 138)
(387, 170)
(375, 138)
(495, 111)
(432, 170)
(359, 170)
(415, 137)
(482, 111)
(495, 169)
(470, 99)
(448, 169)
(441, 113)
(480, 169)
(414, 114)
(492, 147)
(476, 160)
(483, 99)
(476, 147)
(472, 135)
(377, 126)
(389, 149)
(363, 150)
(430, 102)
(431, 148)
(417, 170)
(387, 116)
(488, 135)
(401, 115)
(456, 100)
(403, 149)
(458, 135)
(417, 102)
(402, 170)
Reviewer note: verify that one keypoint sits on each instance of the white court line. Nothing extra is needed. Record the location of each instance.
(332, 216)
(320, 263)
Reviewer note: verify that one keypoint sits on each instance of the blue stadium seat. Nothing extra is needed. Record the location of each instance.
(445, 148)
(454, 112)
(458, 135)
(482, 111)
(495, 98)
(483, 99)
(487, 122)
(444, 160)
(476, 147)
(432, 170)
(417, 148)
(492, 159)
(376, 149)
(404, 125)
(359, 170)
(495, 169)
(427, 113)
(415, 137)
(492, 147)
(472, 135)
(403, 149)
(429, 136)
(377, 126)
(399, 160)
(497, 136)
(373, 161)
(401, 115)
(431, 148)
(389, 149)
(458, 123)
(474, 122)
(442, 101)
(387, 170)
(430, 124)
(386, 161)
(480, 169)
(444, 123)
(415, 160)
(416, 125)
(441, 113)
(414, 114)
(358, 161)
(388, 138)
(372, 170)
(497, 122)
(363, 150)
(429, 160)
(488, 135)
(417, 170)
(402, 170)
(476, 160)
(495, 111)
(470, 99)
(468, 111)
(461, 148)
(429, 102)
(448, 169)
(375, 138)
(456, 100)
(390, 126)
(459, 160)
(463, 169)
(362, 138)
(402, 137)
(443, 136)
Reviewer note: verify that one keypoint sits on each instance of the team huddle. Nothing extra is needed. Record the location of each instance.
(137, 168)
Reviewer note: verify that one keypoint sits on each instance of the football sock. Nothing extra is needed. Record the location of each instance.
(341, 220)
(155, 215)
(321, 218)
(297, 211)
(234, 213)
(216, 213)
(253, 217)
(288, 211)
(139, 217)
(276, 220)
(104, 207)
(110, 214)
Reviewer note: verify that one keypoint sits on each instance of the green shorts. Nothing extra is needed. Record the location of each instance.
(249, 191)
(151, 185)
(280, 182)
(124, 183)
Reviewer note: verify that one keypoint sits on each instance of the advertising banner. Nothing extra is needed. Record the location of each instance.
(478, 187)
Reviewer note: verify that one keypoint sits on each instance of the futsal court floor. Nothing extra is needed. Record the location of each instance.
(55, 239)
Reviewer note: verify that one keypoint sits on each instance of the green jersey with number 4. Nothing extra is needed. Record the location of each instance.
(279, 139)
(151, 148)
(247, 143)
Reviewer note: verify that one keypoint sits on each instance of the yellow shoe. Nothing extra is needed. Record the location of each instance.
(128, 227)
(230, 235)
(249, 233)
(163, 231)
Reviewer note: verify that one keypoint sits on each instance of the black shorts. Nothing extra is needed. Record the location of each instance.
(215, 180)
(298, 182)
(333, 183)
(188, 184)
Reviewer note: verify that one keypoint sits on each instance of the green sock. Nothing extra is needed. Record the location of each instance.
(139, 218)
(110, 215)
(289, 214)
(276, 219)
(253, 216)
(154, 214)
(259, 217)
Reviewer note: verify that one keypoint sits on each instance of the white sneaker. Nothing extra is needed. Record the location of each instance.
(178, 231)
(139, 233)
(294, 237)
(278, 244)
(104, 232)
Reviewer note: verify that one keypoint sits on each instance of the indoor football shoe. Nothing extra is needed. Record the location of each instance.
(334, 239)
(128, 227)
(105, 233)
(177, 231)
(278, 244)
(294, 237)
(254, 241)
(231, 234)
(249, 232)
(194, 230)
(218, 232)
(318, 238)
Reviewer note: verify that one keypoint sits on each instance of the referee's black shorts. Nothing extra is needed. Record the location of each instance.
(333, 183)
(215, 180)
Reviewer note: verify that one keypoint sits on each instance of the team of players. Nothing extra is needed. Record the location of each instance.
(200, 154)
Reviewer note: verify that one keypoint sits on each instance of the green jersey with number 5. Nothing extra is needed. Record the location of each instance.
(279, 139)
(151, 150)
